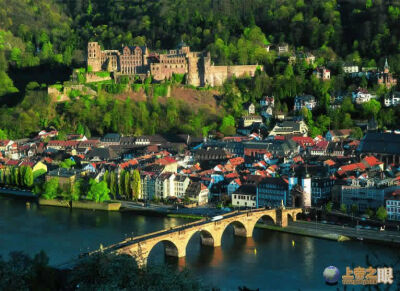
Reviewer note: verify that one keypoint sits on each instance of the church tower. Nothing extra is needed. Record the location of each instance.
(306, 185)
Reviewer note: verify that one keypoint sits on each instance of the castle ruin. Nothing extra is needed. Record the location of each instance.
(197, 66)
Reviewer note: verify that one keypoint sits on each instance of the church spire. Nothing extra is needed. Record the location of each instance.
(386, 64)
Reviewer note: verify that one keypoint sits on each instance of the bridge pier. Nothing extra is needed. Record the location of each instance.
(207, 240)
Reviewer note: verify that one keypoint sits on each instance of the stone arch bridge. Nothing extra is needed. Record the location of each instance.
(176, 239)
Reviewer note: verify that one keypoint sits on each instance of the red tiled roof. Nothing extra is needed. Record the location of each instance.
(165, 161)
(236, 161)
(28, 164)
(4, 142)
(329, 162)
(12, 163)
(371, 161)
(231, 175)
(63, 143)
(351, 167)
(321, 145)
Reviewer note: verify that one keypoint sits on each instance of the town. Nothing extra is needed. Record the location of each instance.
(285, 167)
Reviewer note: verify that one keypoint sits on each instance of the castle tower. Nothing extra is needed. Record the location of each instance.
(386, 67)
(292, 183)
(306, 185)
(193, 69)
(94, 56)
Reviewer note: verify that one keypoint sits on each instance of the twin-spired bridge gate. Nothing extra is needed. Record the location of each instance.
(176, 239)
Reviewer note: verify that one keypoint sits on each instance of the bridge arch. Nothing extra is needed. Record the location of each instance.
(206, 237)
(239, 228)
(171, 248)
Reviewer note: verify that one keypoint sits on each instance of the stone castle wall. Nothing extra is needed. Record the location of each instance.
(196, 65)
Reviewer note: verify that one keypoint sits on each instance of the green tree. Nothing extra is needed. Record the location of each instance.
(121, 184)
(98, 191)
(127, 185)
(51, 189)
(227, 127)
(67, 163)
(28, 177)
(343, 208)
(356, 133)
(113, 184)
(76, 190)
(371, 108)
(381, 213)
(369, 212)
(354, 208)
(135, 185)
(328, 206)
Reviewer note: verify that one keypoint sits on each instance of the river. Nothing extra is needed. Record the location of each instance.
(267, 261)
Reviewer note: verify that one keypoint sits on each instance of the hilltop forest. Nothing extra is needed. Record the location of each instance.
(50, 37)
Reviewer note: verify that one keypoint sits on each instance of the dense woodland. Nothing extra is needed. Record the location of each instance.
(52, 35)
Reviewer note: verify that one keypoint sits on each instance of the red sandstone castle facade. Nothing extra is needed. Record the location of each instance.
(139, 60)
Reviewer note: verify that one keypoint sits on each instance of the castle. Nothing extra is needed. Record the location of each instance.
(386, 78)
(197, 66)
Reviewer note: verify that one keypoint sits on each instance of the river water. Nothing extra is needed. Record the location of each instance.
(267, 261)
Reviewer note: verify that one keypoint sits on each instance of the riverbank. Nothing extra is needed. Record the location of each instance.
(17, 193)
(304, 232)
(88, 205)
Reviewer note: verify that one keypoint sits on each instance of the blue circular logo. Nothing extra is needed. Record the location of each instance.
(331, 275)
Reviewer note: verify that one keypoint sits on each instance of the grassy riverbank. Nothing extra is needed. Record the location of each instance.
(323, 235)
(185, 216)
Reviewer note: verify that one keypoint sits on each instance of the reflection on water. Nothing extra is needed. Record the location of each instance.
(268, 260)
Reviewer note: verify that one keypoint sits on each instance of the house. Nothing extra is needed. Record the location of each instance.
(198, 193)
(321, 190)
(304, 141)
(171, 165)
(290, 127)
(233, 186)
(66, 177)
(102, 154)
(393, 205)
(322, 73)
(392, 99)
(251, 109)
(279, 115)
(111, 139)
(267, 112)
(361, 95)
(308, 57)
(90, 143)
(267, 101)
(320, 149)
(147, 185)
(47, 134)
(5, 144)
(350, 69)
(386, 146)
(62, 144)
(272, 192)
(282, 48)
(372, 162)
(338, 134)
(39, 166)
(335, 149)
(181, 182)
(250, 119)
(304, 101)
(164, 185)
(245, 196)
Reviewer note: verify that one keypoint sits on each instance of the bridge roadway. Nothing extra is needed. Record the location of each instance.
(176, 238)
